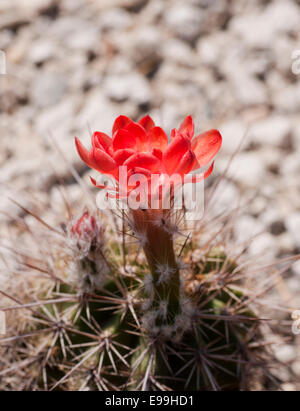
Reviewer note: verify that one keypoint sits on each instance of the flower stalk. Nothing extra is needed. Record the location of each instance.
(158, 247)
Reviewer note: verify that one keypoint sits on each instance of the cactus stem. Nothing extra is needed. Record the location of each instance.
(164, 285)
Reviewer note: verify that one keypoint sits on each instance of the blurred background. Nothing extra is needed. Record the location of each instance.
(74, 65)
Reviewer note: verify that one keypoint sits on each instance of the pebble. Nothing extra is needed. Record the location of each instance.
(285, 353)
(41, 51)
(47, 89)
(296, 368)
(248, 168)
(130, 86)
(233, 133)
(288, 387)
(293, 225)
(272, 130)
(260, 29)
(184, 20)
(115, 19)
(246, 227)
(264, 245)
(296, 268)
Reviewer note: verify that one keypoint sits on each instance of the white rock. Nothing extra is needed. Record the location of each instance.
(86, 38)
(286, 244)
(287, 99)
(185, 20)
(97, 113)
(282, 53)
(247, 227)
(285, 353)
(61, 28)
(115, 19)
(227, 197)
(7, 206)
(273, 130)
(271, 156)
(56, 119)
(296, 268)
(264, 245)
(47, 88)
(42, 50)
(130, 86)
(279, 12)
(270, 215)
(145, 43)
(211, 49)
(178, 51)
(248, 90)
(288, 387)
(258, 205)
(293, 285)
(5, 39)
(233, 132)
(260, 29)
(275, 81)
(120, 65)
(248, 168)
(296, 368)
(58, 205)
(290, 166)
(252, 30)
(296, 136)
(293, 225)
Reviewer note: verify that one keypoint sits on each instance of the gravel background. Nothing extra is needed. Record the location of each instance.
(74, 65)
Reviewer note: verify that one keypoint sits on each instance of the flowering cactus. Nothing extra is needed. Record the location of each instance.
(143, 148)
(107, 317)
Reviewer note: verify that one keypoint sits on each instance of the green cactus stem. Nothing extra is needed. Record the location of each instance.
(158, 246)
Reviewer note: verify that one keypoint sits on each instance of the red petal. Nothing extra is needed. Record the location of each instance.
(120, 122)
(187, 127)
(157, 153)
(139, 170)
(144, 160)
(121, 155)
(158, 138)
(77, 226)
(186, 163)
(135, 171)
(147, 123)
(173, 133)
(123, 139)
(140, 135)
(105, 163)
(174, 153)
(206, 146)
(196, 178)
(101, 140)
(84, 154)
(103, 186)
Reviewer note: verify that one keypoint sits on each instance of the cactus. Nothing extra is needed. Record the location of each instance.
(93, 323)
(99, 314)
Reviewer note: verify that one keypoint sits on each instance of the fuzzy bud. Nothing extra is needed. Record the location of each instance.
(88, 266)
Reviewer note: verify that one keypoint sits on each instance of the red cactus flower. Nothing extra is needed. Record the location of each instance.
(145, 149)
